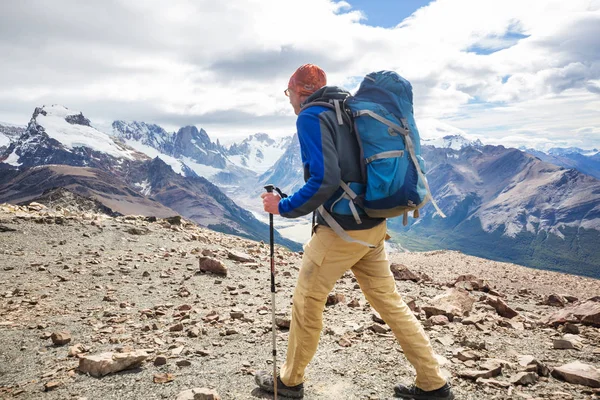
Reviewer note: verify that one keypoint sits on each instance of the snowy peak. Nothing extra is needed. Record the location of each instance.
(57, 135)
(258, 152)
(72, 130)
(455, 142)
(444, 136)
(147, 134)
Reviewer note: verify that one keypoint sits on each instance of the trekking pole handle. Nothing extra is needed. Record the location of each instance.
(270, 187)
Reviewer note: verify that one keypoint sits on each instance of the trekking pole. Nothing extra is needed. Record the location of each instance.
(269, 189)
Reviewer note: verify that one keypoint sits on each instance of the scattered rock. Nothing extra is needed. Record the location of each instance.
(534, 365)
(160, 360)
(578, 373)
(354, 303)
(61, 338)
(77, 349)
(493, 383)
(475, 374)
(283, 323)
(212, 265)
(571, 328)
(51, 385)
(568, 341)
(379, 328)
(193, 332)
(587, 313)
(554, 300)
(238, 256)
(438, 320)
(455, 302)
(163, 378)
(105, 363)
(137, 231)
(465, 355)
(335, 298)
(402, 273)
(198, 394)
(183, 363)
(524, 378)
(174, 220)
(501, 307)
(471, 282)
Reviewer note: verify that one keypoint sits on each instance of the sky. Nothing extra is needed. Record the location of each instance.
(512, 72)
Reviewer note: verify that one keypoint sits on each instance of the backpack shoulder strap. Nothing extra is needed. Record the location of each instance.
(339, 230)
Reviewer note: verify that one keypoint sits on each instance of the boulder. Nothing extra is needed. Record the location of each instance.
(587, 313)
(578, 373)
(402, 273)
(501, 307)
(102, 364)
(471, 282)
(524, 378)
(454, 302)
(238, 256)
(555, 300)
(212, 265)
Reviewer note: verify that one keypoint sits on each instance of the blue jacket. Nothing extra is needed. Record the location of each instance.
(330, 153)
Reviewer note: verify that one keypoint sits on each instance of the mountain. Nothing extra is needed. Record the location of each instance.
(586, 161)
(287, 173)
(501, 204)
(507, 205)
(92, 183)
(8, 134)
(140, 133)
(57, 135)
(259, 152)
(61, 148)
(439, 134)
(191, 152)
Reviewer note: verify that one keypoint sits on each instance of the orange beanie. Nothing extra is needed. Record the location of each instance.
(307, 79)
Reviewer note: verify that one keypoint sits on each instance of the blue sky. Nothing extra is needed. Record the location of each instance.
(387, 13)
(512, 72)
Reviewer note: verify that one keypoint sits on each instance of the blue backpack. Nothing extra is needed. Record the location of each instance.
(381, 112)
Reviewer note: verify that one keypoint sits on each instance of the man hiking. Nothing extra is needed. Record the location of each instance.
(330, 154)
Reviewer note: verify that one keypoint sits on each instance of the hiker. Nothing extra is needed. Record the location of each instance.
(327, 256)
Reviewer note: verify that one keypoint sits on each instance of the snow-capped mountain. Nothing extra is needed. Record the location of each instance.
(150, 135)
(57, 135)
(439, 134)
(8, 134)
(258, 152)
(61, 148)
(190, 151)
(287, 173)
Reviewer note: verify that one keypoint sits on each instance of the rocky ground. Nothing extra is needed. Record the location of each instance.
(75, 285)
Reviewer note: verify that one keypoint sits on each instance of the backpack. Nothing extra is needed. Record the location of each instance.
(381, 116)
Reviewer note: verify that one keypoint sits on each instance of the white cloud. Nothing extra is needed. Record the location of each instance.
(223, 65)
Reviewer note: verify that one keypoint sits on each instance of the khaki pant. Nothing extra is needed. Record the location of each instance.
(326, 258)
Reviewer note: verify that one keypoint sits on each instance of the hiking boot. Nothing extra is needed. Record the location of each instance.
(413, 392)
(264, 380)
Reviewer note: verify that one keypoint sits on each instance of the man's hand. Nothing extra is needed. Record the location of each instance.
(271, 202)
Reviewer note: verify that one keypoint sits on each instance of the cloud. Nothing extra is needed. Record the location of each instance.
(518, 69)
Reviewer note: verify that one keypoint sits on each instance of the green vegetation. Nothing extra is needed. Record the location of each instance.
(578, 253)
